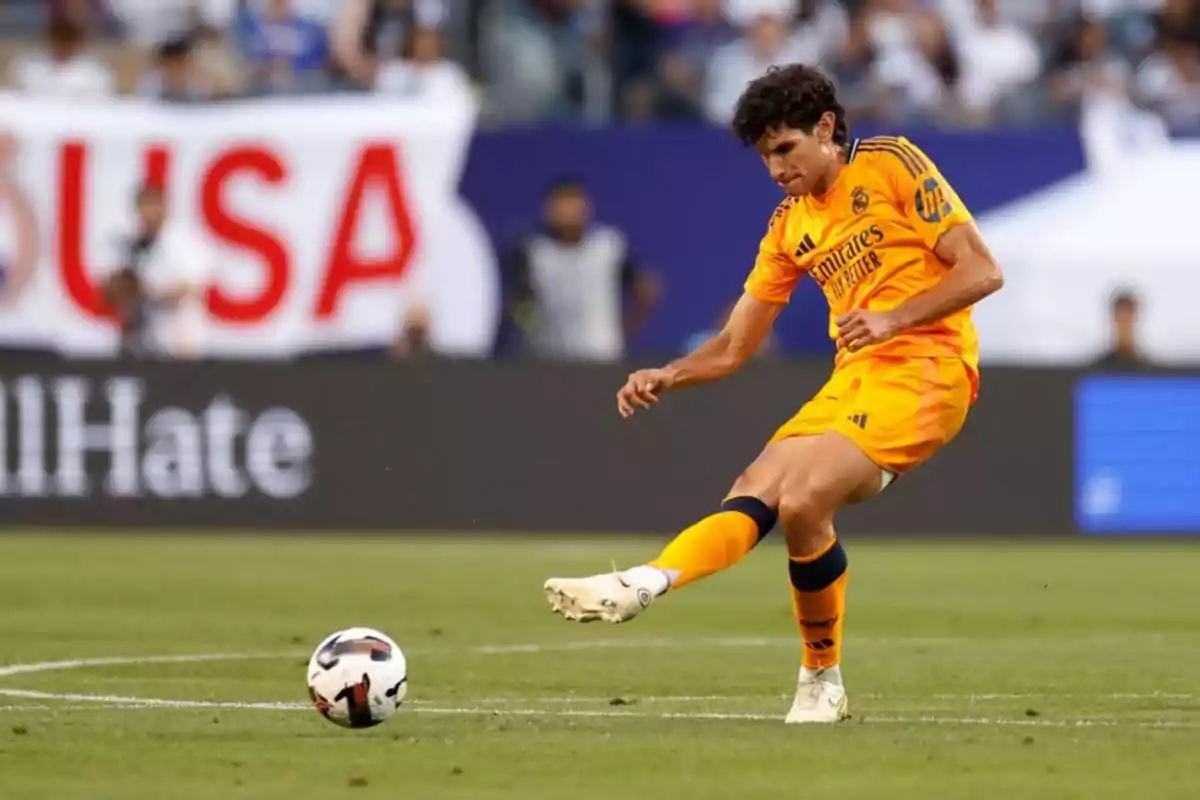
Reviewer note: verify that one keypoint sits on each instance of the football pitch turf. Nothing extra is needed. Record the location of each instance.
(979, 670)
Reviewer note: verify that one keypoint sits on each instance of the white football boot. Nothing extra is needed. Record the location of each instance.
(820, 697)
(611, 597)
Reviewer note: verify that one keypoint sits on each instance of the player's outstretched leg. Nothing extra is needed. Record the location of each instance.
(714, 543)
(834, 473)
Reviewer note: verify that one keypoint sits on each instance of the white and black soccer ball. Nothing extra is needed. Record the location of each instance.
(357, 678)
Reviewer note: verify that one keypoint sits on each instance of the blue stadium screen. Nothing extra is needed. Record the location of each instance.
(1137, 454)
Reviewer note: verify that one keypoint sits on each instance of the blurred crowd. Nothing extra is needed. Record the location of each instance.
(945, 62)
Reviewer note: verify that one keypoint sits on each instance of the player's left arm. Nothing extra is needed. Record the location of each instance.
(973, 274)
(948, 229)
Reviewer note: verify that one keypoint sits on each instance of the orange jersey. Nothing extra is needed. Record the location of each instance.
(868, 243)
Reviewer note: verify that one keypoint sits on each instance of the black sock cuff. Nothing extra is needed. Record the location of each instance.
(815, 575)
(763, 515)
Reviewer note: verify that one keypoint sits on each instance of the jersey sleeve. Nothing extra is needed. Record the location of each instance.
(775, 273)
(923, 194)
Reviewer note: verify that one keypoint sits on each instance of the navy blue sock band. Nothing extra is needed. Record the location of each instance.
(813, 576)
(763, 515)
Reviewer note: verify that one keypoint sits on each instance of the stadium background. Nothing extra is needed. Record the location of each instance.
(357, 190)
(1047, 121)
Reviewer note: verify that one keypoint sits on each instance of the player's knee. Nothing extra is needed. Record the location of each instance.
(757, 482)
(801, 510)
(805, 515)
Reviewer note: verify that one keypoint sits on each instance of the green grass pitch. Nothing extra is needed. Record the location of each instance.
(975, 671)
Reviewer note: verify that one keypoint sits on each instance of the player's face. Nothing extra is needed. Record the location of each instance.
(799, 161)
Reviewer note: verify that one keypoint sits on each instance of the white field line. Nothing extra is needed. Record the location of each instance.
(121, 661)
(150, 702)
(790, 642)
(736, 642)
(921, 719)
(135, 703)
(633, 699)
(498, 705)
(505, 706)
(109, 661)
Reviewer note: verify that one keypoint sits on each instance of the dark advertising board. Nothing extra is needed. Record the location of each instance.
(472, 447)
(478, 447)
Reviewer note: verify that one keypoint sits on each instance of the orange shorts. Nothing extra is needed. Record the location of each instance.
(898, 410)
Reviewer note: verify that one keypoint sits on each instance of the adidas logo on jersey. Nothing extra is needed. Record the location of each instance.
(806, 246)
(859, 419)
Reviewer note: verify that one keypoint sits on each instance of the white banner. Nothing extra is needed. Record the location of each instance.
(1067, 249)
(325, 220)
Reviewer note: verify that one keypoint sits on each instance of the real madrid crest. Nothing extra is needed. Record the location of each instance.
(859, 200)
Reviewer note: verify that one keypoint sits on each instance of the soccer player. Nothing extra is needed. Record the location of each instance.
(901, 262)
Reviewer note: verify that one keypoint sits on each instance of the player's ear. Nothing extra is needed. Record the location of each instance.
(825, 128)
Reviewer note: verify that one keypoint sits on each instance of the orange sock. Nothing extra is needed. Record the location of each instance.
(716, 542)
(819, 603)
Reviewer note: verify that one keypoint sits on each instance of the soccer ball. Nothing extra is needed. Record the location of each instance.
(357, 678)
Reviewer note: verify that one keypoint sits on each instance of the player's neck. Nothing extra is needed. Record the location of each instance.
(830, 178)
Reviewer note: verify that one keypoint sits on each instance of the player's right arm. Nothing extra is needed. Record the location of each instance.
(767, 291)
(719, 357)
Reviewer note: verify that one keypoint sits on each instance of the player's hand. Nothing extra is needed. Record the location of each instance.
(642, 390)
(862, 328)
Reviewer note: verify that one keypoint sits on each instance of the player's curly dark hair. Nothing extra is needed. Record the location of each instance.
(792, 96)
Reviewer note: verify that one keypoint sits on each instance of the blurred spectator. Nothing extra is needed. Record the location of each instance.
(421, 72)
(998, 59)
(637, 32)
(23, 16)
(770, 33)
(767, 41)
(150, 23)
(1125, 353)
(674, 92)
(1085, 68)
(322, 12)
(287, 51)
(906, 61)
(366, 31)
(413, 341)
(1035, 17)
(220, 72)
(647, 81)
(822, 26)
(912, 63)
(159, 292)
(63, 69)
(573, 290)
(125, 294)
(159, 27)
(175, 78)
(540, 59)
(690, 48)
(91, 15)
(1178, 19)
(1168, 81)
